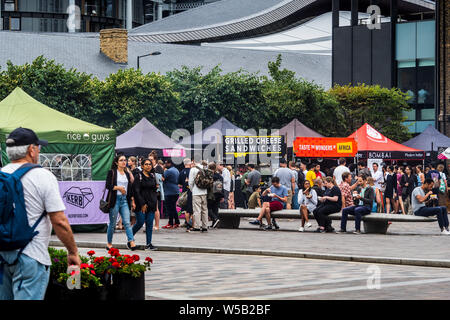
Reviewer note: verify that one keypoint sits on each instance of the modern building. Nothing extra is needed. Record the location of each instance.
(443, 72)
(52, 15)
(400, 52)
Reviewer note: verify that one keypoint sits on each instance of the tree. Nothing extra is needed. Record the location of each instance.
(206, 97)
(288, 97)
(67, 91)
(382, 108)
(127, 96)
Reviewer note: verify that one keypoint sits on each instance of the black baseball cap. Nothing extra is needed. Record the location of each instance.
(23, 137)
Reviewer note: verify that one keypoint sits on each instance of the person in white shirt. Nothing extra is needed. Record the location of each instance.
(199, 201)
(340, 170)
(27, 279)
(377, 176)
(226, 175)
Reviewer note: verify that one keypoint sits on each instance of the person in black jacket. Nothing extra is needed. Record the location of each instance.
(118, 184)
(213, 199)
(363, 205)
(146, 198)
(408, 182)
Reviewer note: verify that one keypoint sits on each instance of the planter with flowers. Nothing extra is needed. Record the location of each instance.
(91, 285)
(117, 277)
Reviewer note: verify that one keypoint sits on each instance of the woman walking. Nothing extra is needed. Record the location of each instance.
(420, 175)
(118, 183)
(307, 200)
(146, 199)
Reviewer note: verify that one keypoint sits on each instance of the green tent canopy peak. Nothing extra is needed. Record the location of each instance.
(19, 109)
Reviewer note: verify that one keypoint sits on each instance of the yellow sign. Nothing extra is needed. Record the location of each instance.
(345, 147)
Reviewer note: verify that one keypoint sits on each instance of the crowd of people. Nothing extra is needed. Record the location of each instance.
(384, 189)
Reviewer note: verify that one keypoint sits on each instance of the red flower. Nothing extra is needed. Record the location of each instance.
(112, 260)
(84, 266)
(148, 259)
(93, 272)
(135, 257)
(116, 265)
(114, 252)
(99, 260)
(129, 261)
(91, 253)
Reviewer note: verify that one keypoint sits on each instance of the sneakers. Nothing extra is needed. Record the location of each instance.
(168, 226)
(308, 225)
(301, 229)
(204, 230)
(175, 226)
(149, 247)
(268, 228)
(215, 223)
(262, 226)
(255, 222)
(445, 232)
(275, 224)
(319, 230)
(330, 230)
(342, 231)
(357, 232)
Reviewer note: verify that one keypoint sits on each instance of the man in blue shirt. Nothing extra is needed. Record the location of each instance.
(171, 194)
(278, 195)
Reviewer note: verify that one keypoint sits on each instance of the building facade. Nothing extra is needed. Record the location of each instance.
(398, 53)
(443, 39)
(52, 15)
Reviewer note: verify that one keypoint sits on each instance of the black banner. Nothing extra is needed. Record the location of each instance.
(391, 155)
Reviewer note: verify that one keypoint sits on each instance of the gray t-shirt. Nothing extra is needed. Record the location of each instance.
(285, 175)
(416, 205)
(254, 177)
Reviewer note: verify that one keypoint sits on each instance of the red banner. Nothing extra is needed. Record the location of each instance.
(325, 147)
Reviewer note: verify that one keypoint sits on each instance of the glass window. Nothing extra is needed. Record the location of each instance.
(410, 115)
(425, 87)
(406, 41)
(407, 82)
(68, 167)
(427, 114)
(15, 24)
(425, 39)
(10, 5)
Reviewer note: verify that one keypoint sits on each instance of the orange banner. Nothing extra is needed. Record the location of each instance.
(325, 147)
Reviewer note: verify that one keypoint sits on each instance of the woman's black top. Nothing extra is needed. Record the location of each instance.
(411, 180)
(111, 182)
(391, 185)
(145, 191)
(318, 190)
(335, 191)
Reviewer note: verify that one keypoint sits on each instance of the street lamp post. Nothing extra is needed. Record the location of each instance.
(146, 55)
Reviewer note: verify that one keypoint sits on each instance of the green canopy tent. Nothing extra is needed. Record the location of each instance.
(65, 134)
(76, 150)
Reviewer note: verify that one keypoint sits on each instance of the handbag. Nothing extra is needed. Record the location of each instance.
(182, 200)
(105, 205)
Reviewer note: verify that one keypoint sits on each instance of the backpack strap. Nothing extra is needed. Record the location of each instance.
(19, 173)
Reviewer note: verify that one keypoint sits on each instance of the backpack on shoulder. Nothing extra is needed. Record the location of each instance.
(15, 232)
(204, 179)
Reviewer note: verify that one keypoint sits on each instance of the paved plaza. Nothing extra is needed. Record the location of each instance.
(197, 275)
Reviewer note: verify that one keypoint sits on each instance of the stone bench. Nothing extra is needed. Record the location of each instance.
(373, 223)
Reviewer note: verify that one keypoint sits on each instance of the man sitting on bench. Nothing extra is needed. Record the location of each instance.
(423, 194)
(363, 197)
(277, 194)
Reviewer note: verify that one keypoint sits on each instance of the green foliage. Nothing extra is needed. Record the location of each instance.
(186, 95)
(288, 97)
(128, 95)
(382, 108)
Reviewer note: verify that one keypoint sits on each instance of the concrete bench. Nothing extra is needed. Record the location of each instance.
(373, 223)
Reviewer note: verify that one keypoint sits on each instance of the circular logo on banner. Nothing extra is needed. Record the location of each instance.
(86, 136)
(374, 135)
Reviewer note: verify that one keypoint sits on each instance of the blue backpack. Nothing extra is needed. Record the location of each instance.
(15, 232)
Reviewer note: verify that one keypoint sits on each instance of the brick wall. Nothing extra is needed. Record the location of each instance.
(114, 44)
(444, 35)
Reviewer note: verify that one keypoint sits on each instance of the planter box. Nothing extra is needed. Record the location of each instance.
(59, 292)
(126, 287)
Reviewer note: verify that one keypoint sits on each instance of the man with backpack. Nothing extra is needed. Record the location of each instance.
(200, 180)
(26, 224)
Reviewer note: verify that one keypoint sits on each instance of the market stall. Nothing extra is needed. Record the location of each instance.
(432, 142)
(144, 137)
(78, 153)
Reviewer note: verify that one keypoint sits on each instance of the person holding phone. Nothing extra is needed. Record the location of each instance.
(278, 195)
(307, 200)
